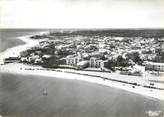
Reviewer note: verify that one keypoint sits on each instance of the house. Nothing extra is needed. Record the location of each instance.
(154, 66)
(38, 61)
(23, 59)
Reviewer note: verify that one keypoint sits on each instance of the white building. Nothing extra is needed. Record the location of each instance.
(78, 61)
(73, 60)
(154, 66)
(97, 63)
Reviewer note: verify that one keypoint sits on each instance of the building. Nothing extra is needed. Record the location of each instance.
(73, 60)
(97, 63)
(23, 59)
(154, 66)
(11, 60)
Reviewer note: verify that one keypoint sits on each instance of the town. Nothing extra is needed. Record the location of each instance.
(95, 52)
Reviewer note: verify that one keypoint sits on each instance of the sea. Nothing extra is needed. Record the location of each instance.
(38, 96)
(8, 37)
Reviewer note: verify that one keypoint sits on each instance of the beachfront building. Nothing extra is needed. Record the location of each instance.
(73, 60)
(96, 63)
(154, 66)
(80, 63)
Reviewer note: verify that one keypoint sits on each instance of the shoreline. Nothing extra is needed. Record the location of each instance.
(19, 42)
(23, 69)
(18, 69)
(14, 51)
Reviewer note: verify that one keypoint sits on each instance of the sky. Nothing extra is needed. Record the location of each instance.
(81, 13)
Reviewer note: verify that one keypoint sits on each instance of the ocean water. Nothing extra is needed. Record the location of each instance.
(8, 37)
(23, 96)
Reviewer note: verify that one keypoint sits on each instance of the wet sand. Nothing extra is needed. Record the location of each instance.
(22, 96)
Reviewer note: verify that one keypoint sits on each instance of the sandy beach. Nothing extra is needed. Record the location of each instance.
(18, 68)
(60, 73)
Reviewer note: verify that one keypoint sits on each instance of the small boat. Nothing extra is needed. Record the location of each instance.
(45, 93)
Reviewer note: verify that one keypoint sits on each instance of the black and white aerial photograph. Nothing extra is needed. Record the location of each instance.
(81, 58)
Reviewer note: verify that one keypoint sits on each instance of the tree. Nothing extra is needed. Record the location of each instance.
(50, 62)
(110, 64)
(135, 57)
(122, 62)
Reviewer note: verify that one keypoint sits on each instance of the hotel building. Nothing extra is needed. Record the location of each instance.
(154, 66)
